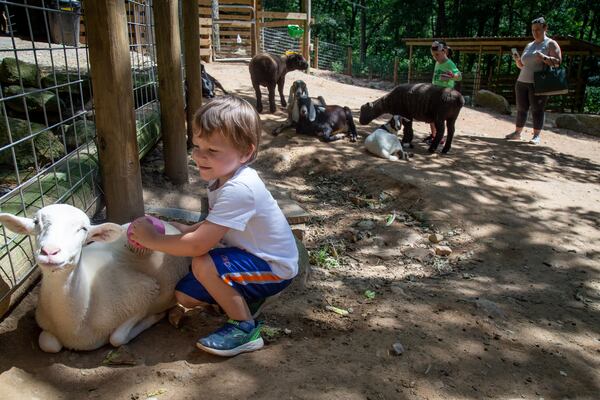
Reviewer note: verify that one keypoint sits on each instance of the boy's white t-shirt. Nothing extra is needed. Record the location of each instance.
(257, 224)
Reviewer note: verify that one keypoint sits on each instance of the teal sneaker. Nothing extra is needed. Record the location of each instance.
(233, 338)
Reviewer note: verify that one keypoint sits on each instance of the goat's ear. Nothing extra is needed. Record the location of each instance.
(292, 93)
(20, 225)
(107, 232)
(312, 113)
(295, 111)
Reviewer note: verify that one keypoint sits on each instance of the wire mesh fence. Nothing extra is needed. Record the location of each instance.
(277, 41)
(332, 57)
(48, 152)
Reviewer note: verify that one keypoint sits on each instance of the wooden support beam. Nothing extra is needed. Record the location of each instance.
(395, 70)
(170, 90)
(316, 53)
(306, 37)
(255, 37)
(110, 64)
(191, 40)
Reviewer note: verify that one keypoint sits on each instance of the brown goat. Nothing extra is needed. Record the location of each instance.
(269, 70)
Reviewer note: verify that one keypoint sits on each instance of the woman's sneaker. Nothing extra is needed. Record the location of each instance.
(513, 136)
(535, 139)
(233, 338)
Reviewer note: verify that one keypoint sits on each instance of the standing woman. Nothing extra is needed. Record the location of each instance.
(542, 50)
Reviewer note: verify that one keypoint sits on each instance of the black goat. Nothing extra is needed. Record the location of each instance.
(325, 122)
(297, 90)
(209, 83)
(422, 102)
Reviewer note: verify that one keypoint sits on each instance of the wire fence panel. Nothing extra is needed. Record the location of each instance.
(277, 41)
(332, 57)
(48, 152)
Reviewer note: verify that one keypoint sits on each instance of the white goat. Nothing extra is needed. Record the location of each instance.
(94, 289)
(384, 142)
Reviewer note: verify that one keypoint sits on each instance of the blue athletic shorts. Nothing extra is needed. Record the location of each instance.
(251, 276)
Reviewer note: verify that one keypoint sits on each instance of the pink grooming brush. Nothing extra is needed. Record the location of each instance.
(135, 246)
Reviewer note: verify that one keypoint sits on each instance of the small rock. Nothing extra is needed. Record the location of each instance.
(287, 331)
(436, 238)
(443, 250)
(366, 224)
(563, 373)
(398, 348)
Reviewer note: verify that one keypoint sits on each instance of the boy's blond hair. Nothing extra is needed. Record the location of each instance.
(233, 118)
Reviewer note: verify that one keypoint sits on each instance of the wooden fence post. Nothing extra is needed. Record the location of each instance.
(170, 89)
(316, 53)
(191, 41)
(255, 33)
(106, 22)
(396, 70)
(349, 61)
(306, 37)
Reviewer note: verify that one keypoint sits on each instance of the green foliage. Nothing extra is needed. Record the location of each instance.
(592, 100)
(337, 66)
(325, 257)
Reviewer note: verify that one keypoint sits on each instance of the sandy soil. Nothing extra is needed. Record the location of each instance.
(513, 312)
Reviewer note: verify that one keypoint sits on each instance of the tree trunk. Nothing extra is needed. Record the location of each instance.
(363, 32)
(353, 22)
(440, 23)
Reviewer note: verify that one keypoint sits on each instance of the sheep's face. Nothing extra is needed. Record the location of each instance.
(296, 61)
(60, 232)
(306, 108)
(366, 114)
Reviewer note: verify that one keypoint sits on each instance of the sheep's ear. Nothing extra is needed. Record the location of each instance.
(312, 113)
(107, 232)
(20, 225)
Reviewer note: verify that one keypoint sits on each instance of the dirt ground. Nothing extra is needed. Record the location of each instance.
(513, 312)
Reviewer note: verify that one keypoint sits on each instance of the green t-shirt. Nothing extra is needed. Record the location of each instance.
(442, 68)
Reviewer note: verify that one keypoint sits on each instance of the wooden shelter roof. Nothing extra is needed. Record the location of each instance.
(568, 44)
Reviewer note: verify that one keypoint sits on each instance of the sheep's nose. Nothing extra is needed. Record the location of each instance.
(50, 251)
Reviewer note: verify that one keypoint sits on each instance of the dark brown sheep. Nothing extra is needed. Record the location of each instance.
(422, 102)
(269, 70)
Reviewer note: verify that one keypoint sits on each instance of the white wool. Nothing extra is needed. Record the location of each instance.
(385, 145)
(96, 293)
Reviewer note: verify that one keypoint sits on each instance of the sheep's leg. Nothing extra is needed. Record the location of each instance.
(133, 327)
(280, 86)
(49, 343)
(439, 127)
(450, 125)
(259, 106)
(271, 88)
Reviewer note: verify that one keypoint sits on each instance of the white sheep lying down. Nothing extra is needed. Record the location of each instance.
(94, 289)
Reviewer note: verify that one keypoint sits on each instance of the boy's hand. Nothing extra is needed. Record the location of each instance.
(143, 232)
(446, 76)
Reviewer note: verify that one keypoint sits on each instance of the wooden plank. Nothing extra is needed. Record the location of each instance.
(205, 21)
(205, 52)
(272, 24)
(168, 57)
(114, 114)
(293, 212)
(238, 17)
(282, 15)
(243, 2)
